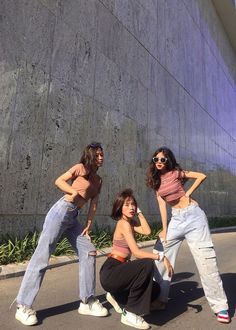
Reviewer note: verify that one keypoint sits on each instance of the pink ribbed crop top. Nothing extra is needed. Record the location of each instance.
(121, 245)
(171, 187)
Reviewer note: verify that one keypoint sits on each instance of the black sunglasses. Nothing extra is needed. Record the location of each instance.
(163, 160)
(95, 145)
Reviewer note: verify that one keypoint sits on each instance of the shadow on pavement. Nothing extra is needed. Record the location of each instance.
(61, 309)
(229, 281)
(182, 293)
(56, 310)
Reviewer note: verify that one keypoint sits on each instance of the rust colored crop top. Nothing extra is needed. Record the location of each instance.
(171, 187)
(88, 186)
(121, 245)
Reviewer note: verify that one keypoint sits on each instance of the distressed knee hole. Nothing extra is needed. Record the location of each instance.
(92, 253)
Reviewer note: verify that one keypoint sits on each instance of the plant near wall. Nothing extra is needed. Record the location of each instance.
(18, 250)
(155, 229)
(218, 222)
(101, 236)
(63, 247)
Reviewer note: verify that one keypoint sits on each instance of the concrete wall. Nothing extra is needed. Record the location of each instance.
(133, 74)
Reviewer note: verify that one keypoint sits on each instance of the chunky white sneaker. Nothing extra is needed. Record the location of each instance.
(223, 316)
(134, 320)
(113, 302)
(25, 315)
(93, 307)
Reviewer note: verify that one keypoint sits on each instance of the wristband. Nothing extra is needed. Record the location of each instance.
(138, 211)
(161, 255)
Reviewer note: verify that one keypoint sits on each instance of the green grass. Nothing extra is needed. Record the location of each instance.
(14, 250)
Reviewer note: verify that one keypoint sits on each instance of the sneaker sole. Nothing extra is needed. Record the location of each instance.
(223, 320)
(113, 303)
(105, 313)
(132, 325)
(18, 318)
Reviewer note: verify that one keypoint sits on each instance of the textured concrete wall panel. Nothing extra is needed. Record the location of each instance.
(24, 143)
(132, 74)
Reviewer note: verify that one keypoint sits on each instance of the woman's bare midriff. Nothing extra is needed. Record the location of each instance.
(182, 202)
(79, 200)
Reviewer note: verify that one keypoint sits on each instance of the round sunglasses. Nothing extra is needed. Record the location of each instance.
(162, 160)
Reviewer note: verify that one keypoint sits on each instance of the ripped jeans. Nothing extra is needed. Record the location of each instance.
(191, 223)
(61, 219)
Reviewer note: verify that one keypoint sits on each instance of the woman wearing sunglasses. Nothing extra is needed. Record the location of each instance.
(130, 283)
(167, 179)
(62, 219)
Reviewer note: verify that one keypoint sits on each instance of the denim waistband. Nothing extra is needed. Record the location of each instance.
(176, 211)
(69, 204)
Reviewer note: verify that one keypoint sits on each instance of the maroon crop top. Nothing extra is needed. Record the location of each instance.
(171, 187)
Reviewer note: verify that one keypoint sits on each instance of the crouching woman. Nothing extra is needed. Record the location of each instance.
(130, 283)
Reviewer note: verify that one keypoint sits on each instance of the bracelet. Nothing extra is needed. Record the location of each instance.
(161, 255)
(138, 211)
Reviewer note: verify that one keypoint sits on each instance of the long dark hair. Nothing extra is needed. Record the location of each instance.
(119, 202)
(89, 155)
(153, 179)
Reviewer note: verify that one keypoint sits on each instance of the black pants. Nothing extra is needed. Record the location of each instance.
(131, 283)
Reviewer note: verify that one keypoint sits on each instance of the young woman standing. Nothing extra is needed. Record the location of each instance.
(130, 283)
(62, 219)
(166, 178)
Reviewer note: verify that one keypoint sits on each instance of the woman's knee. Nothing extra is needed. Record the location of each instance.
(85, 247)
(92, 253)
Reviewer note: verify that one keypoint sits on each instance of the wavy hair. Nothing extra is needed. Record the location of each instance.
(88, 157)
(116, 213)
(153, 178)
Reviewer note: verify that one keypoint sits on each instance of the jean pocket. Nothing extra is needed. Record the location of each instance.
(71, 209)
(71, 212)
(207, 255)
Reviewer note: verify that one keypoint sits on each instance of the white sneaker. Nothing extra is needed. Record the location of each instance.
(93, 307)
(25, 315)
(134, 320)
(113, 302)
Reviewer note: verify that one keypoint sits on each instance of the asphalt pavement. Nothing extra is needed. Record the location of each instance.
(57, 301)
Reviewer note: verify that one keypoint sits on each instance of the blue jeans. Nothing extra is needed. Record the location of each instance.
(61, 219)
(191, 223)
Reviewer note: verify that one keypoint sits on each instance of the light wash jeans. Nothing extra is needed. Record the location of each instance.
(191, 223)
(61, 219)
